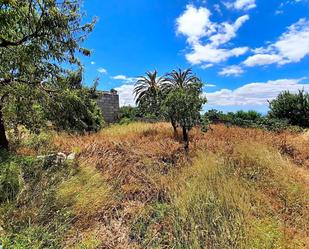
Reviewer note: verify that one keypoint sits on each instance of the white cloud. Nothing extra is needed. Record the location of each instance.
(92, 62)
(209, 85)
(255, 94)
(279, 12)
(120, 77)
(126, 96)
(211, 54)
(206, 66)
(102, 70)
(244, 4)
(262, 59)
(240, 4)
(294, 44)
(124, 78)
(205, 37)
(227, 31)
(291, 47)
(194, 23)
(231, 70)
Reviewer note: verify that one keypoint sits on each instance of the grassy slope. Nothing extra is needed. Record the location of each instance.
(132, 186)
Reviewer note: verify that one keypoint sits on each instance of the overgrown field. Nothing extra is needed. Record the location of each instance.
(134, 186)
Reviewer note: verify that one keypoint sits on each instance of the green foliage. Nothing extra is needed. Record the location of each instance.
(36, 39)
(129, 112)
(148, 93)
(10, 178)
(249, 115)
(184, 106)
(23, 107)
(249, 119)
(214, 116)
(75, 110)
(292, 107)
(31, 216)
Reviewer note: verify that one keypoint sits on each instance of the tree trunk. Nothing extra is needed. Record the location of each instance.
(4, 144)
(185, 138)
(174, 127)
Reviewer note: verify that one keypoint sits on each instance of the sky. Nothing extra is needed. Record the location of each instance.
(245, 51)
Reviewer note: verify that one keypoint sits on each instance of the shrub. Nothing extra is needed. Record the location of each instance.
(292, 107)
(75, 111)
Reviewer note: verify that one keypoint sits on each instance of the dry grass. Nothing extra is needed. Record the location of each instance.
(234, 187)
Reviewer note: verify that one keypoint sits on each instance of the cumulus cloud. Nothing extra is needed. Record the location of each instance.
(119, 77)
(205, 66)
(208, 53)
(102, 70)
(194, 23)
(92, 62)
(255, 94)
(209, 85)
(262, 59)
(291, 47)
(205, 37)
(240, 4)
(252, 94)
(244, 4)
(124, 78)
(231, 71)
(126, 96)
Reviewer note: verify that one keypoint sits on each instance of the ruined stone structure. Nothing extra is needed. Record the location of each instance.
(109, 104)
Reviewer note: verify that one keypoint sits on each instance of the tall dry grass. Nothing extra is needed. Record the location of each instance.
(237, 188)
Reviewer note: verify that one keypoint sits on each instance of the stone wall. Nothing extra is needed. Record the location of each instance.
(109, 104)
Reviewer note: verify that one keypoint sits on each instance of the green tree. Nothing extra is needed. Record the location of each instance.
(74, 108)
(292, 107)
(214, 116)
(179, 79)
(37, 38)
(147, 93)
(183, 102)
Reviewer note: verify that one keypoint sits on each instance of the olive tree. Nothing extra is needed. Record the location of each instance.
(39, 39)
(183, 101)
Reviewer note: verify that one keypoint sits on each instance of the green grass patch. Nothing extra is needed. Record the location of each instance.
(86, 192)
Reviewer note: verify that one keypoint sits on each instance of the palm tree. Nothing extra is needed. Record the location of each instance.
(183, 79)
(147, 91)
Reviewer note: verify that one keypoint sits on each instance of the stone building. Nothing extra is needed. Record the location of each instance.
(109, 104)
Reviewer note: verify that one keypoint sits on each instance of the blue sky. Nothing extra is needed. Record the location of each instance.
(245, 51)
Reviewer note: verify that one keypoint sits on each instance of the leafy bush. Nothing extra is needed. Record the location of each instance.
(250, 119)
(128, 112)
(292, 107)
(75, 111)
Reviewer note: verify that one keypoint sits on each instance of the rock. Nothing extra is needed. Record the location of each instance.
(60, 158)
(71, 156)
(55, 159)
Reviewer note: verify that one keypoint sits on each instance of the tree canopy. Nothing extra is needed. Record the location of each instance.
(292, 107)
(39, 40)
